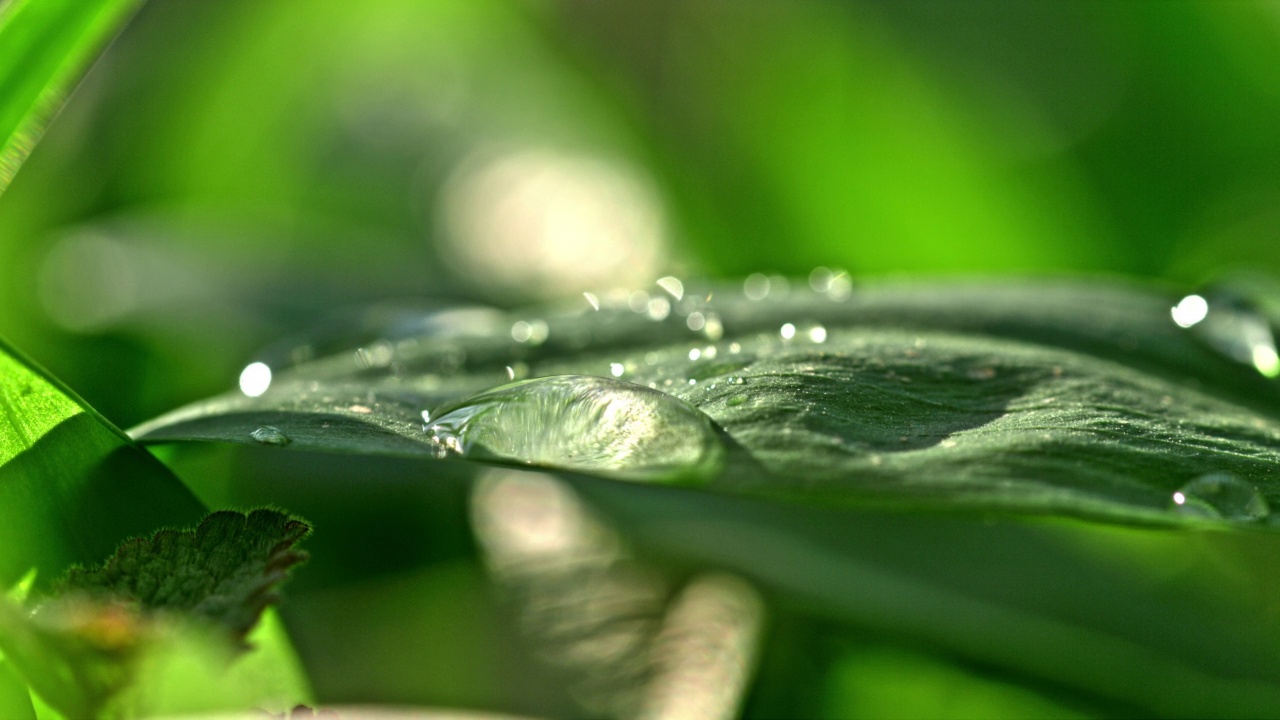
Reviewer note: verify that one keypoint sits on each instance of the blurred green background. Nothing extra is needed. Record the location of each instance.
(234, 171)
(231, 171)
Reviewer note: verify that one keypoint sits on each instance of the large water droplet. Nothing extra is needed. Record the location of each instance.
(1230, 320)
(268, 435)
(586, 424)
(1220, 495)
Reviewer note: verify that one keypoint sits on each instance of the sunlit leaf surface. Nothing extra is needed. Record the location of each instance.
(1067, 397)
(44, 45)
(71, 485)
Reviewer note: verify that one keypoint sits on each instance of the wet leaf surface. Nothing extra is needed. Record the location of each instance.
(1080, 398)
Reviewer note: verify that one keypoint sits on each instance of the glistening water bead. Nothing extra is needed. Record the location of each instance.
(1231, 323)
(1220, 496)
(586, 424)
(268, 435)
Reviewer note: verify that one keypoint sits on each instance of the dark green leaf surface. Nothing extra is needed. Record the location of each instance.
(44, 46)
(72, 487)
(223, 572)
(1060, 397)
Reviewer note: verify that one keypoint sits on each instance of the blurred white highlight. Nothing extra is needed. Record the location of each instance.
(255, 379)
(543, 223)
(1190, 310)
(705, 653)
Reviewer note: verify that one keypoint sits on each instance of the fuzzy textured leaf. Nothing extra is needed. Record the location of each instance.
(223, 572)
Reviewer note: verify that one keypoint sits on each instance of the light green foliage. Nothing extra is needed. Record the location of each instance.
(44, 45)
(161, 621)
(71, 485)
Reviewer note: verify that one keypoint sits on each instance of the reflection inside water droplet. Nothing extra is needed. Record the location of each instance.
(586, 424)
(1220, 496)
(268, 435)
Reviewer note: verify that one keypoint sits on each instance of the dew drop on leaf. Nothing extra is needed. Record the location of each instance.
(1229, 320)
(586, 424)
(1220, 496)
(268, 435)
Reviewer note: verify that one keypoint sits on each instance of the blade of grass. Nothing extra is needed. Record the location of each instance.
(72, 486)
(45, 45)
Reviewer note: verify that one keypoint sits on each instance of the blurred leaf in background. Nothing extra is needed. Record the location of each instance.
(282, 160)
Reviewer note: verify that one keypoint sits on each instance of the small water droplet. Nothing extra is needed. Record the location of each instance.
(1228, 319)
(616, 369)
(713, 328)
(586, 424)
(1220, 495)
(592, 300)
(376, 355)
(788, 331)
(817, 334)
(638, 301)
(756, 286)
(695, 353)
(673, 286)
(268, 435)
(735, 380)
(696, 321)
(659, 308)
(820, 279)
(534, 332)
(255, 379)
(1189, 311)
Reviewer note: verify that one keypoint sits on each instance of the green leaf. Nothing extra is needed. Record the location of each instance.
(162, 613)
(74, 653)
(889, 683)
(44, 47)
(1078, 398)
(86, 658)
(15, 699)
(223, 572)
(72, 486)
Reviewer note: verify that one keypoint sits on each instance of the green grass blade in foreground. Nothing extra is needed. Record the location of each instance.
(1078, 398)
(72, 486)
(44, 47)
